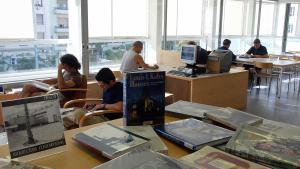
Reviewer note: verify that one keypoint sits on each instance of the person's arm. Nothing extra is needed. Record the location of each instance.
(118, 106)
(140, 61)
(263, 53)
(249, 51)
(61, 83)
(262, 56)
(50, 81)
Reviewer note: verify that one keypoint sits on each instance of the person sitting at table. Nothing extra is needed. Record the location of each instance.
(68, 76)
(132, 60)
(257, 50)
(112, 100)
(226, 45)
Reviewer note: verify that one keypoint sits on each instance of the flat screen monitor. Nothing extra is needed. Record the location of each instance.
(188, 54)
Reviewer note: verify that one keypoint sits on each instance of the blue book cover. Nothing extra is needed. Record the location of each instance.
(144, 98)
(194, 134)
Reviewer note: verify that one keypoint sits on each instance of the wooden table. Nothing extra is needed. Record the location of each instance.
(80, 157)
(223, 89)
(280, 64)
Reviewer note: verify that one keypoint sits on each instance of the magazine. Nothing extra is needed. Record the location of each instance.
(112, 141)
(211, 158)
(189, 109)
(194, 134)
(144, 98)
(233, 118)
(33, 125)
(261, 146)
(144, 159)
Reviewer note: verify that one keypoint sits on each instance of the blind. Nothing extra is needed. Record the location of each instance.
(16, 19)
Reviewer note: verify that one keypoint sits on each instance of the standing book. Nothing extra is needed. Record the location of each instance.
(211, 158)
(34, 126)
(144, 160)
(144, 98)
(233, 118)
(261, 146)
(112, 141)
(194, 134)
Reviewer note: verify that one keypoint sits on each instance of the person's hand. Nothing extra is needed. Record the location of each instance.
(89, 106)
(155, 66)
(60, 67)
(97, 107)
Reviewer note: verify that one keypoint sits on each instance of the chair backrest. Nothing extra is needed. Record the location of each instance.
(77, 94)
(263, 65)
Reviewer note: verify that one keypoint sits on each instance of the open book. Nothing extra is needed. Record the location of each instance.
(41, 85)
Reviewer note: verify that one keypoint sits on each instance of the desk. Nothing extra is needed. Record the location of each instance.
(80, 157)
(280, 64)
(223, 90)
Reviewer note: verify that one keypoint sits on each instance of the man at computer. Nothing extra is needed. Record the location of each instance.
(226, 45)
(132, 60)
(257, 50)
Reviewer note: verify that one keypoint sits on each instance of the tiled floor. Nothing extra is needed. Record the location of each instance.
(284, 109)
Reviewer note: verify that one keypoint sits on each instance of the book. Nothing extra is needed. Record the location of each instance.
(112, 141)
(33, 125)
(189, 109)
(265, 147)
(21, 165)
(41, 85)
(144, 98)
(232, 118)
(156, 144)
(194, 134)
(144, 159)
(211, 158)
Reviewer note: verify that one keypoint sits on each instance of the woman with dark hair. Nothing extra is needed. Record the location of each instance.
(69, 78)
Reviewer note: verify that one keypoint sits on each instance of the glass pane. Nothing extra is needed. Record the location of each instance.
(172, 18)
(16, 19)
(189, 17)
(267, 18)
(130, 18)
(99, 13)
(233, 17)
(293, 41)
(108, 54)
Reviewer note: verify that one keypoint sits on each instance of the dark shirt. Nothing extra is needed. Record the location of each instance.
(202, 56)
(113, 94)
(260, 51)
(224, 48)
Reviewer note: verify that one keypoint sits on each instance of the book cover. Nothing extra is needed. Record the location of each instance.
(156, 144)
(41, 85)
(261, 146)
(211, 158)
(144, 98)
(33, 125)
(189, 109)
(232, 118)
(111, 141)
(144, 159)
(194, 134)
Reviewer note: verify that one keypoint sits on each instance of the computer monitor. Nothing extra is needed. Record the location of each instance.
(188, 54)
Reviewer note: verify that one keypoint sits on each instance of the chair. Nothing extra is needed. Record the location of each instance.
(73, 93)
(88, 118)
(266, 72)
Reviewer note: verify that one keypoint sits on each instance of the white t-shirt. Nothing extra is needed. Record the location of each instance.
(128, 63)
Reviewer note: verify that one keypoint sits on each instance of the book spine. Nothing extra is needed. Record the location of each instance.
(125, 112)
(176, 140)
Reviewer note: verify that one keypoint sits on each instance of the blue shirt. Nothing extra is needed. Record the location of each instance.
(233, 55)
(260, 51)
(114, 94)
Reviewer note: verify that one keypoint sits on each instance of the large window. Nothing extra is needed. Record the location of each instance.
(293, 40)
(29, 45)
(113, 26)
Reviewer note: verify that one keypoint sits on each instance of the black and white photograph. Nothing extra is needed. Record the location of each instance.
(33, 125)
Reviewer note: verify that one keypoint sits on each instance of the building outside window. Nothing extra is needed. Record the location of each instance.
(39, 19)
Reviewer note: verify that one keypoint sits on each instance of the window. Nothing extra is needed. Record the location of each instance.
(290, 28)
(38, 4)
(292, 11)
(113, 26)
(40, 35)
(39, 19)
(33, 53)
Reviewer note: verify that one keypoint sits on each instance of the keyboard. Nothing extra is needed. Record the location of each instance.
(178, 73)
